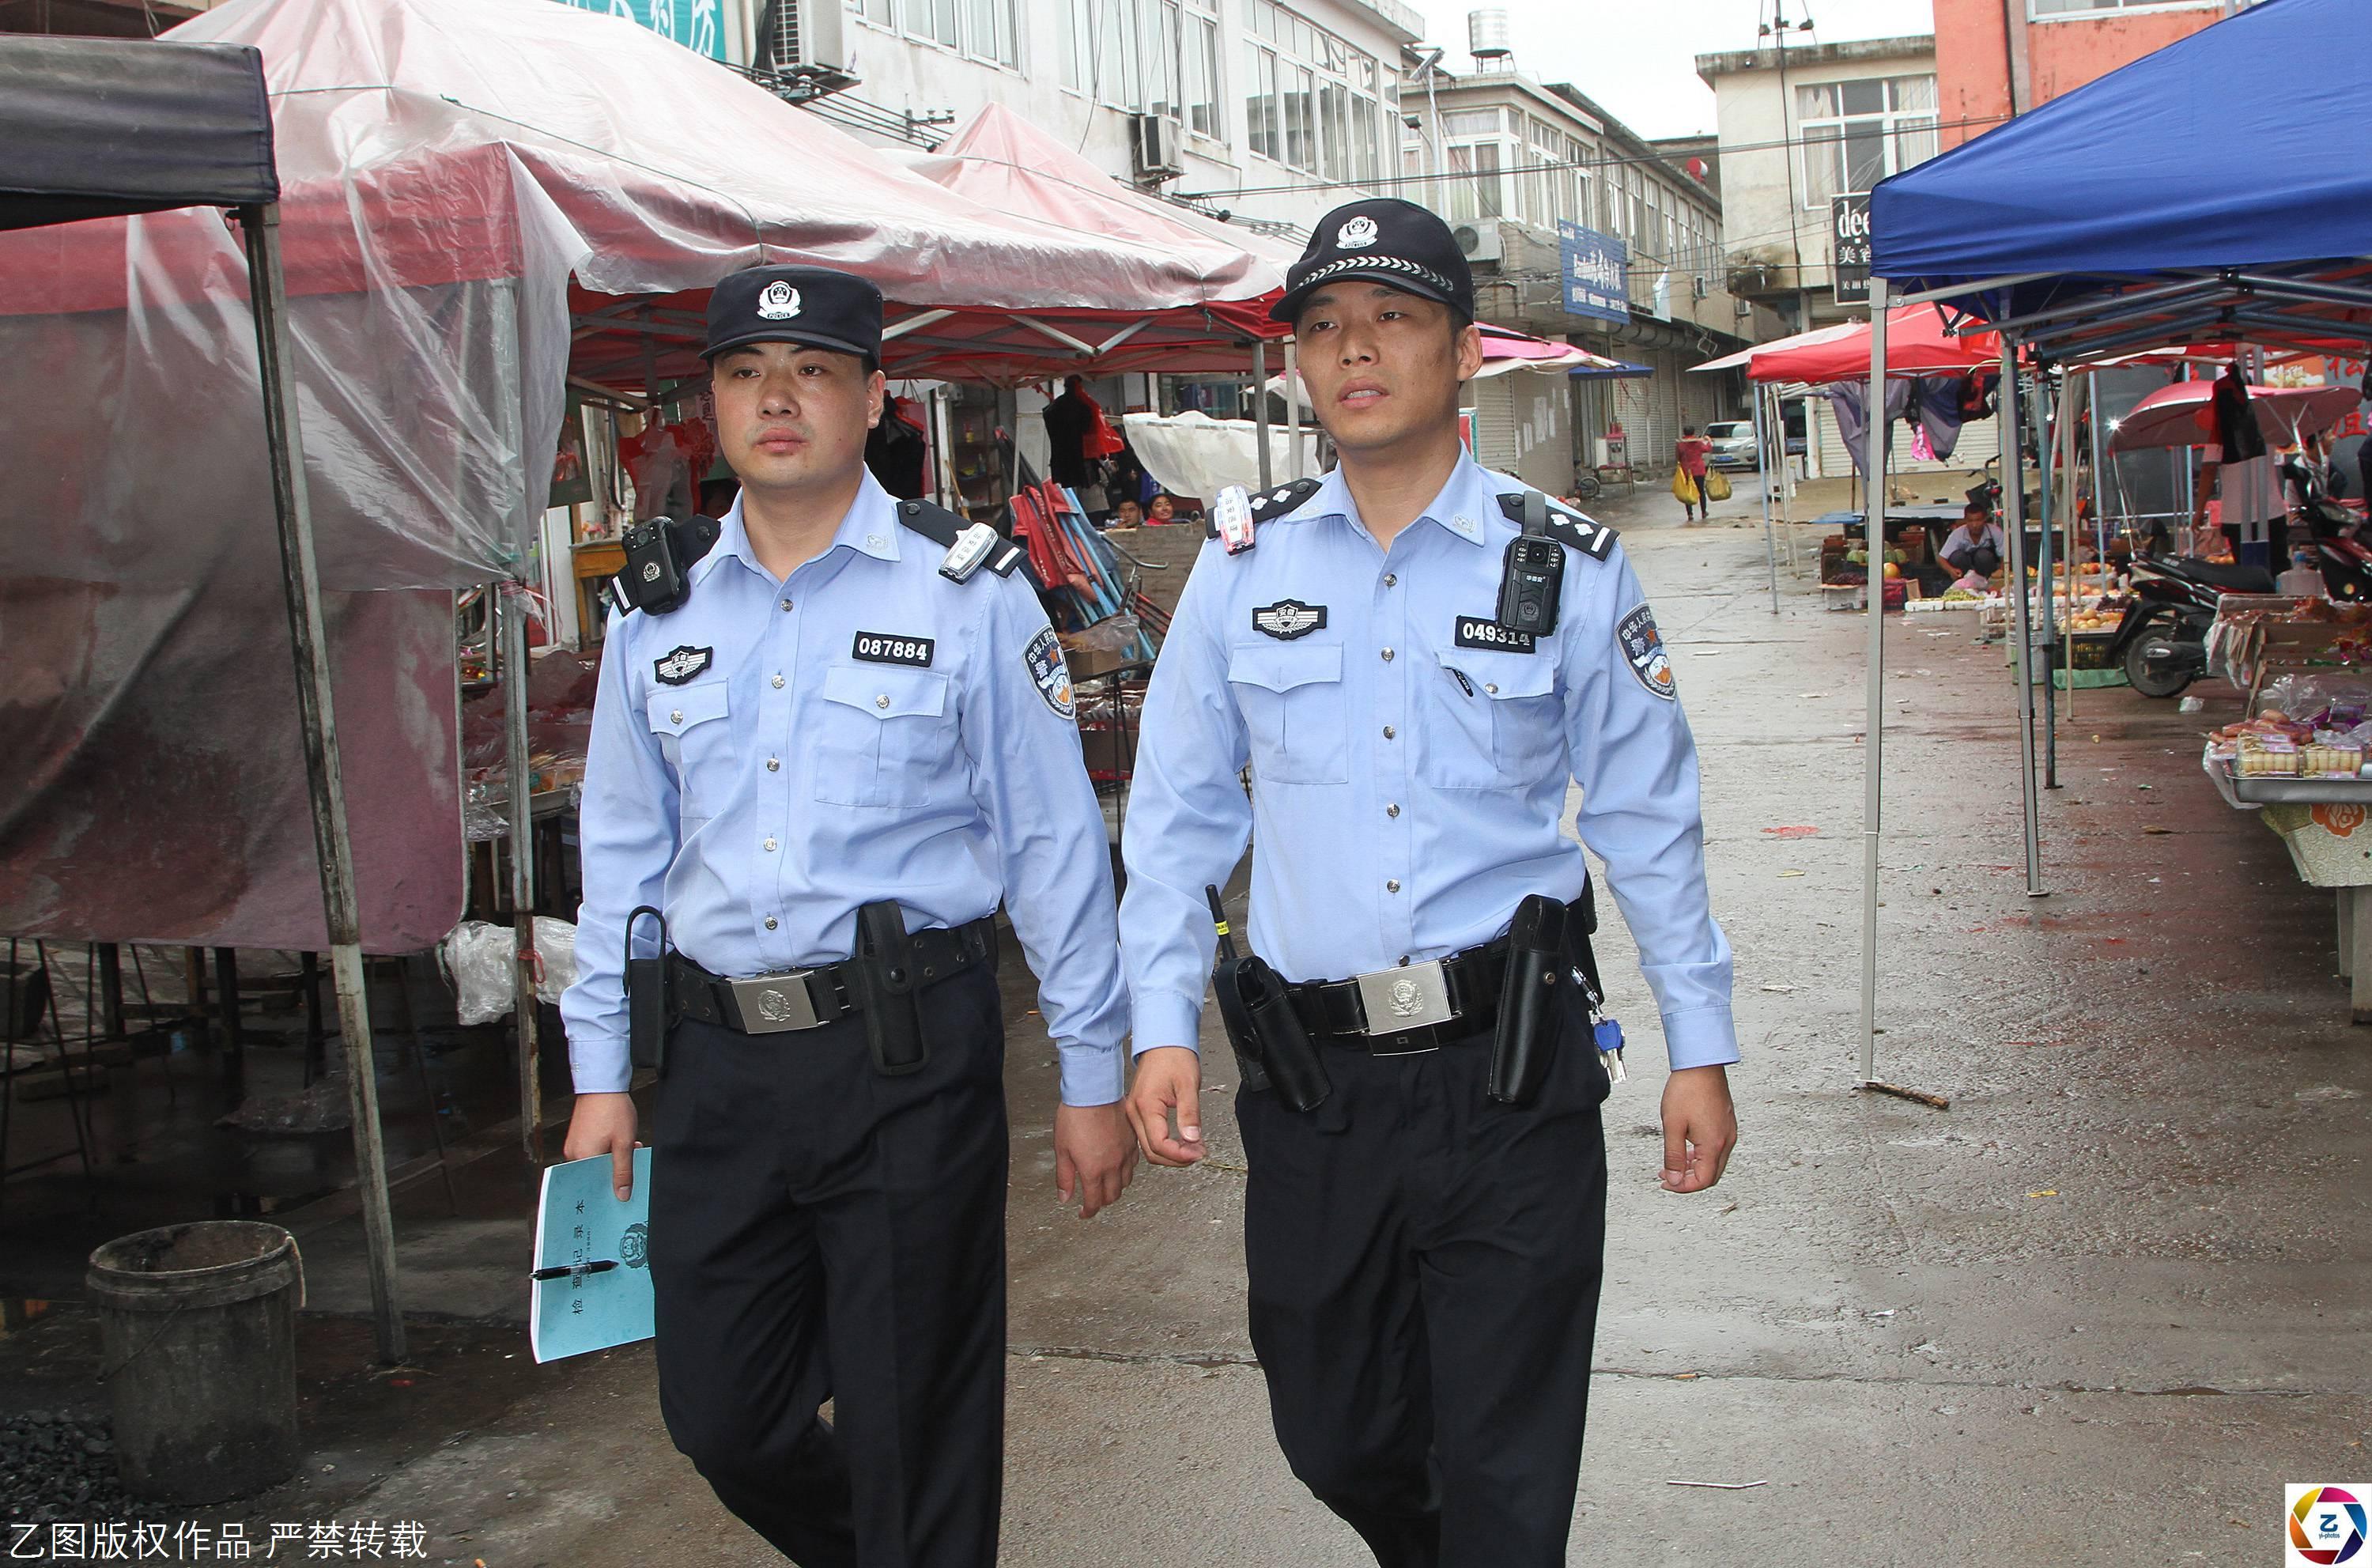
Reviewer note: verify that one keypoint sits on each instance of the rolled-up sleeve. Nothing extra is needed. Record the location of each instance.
(627, 836)
(1031, 784)
(1636, 763)
(1188, 816)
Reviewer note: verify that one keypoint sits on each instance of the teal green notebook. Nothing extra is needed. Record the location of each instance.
(605, 1298)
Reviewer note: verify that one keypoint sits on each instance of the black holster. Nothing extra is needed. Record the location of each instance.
(884, 980)
(1530, 1007)
(646, 997)
(1274, 1051)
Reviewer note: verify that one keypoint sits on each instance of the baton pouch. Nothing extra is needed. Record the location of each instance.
(1528, 1003)
(883, 977)
(647, 998)
(1268, 1034)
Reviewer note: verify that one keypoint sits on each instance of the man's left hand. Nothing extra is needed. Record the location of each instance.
(1095, 1156)
(1700, 1128)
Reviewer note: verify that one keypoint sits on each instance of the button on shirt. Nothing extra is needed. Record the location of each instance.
(1409, 767)
(775, 754)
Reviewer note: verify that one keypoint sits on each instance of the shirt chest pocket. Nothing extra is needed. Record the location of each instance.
(1497, 722)
(689, 722)
(1291, 698)
(882, 735)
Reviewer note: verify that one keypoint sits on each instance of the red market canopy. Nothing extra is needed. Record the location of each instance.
(1919, 342)
(2180, 415)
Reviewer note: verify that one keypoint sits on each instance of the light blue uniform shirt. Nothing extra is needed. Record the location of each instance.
(1407, 789)
(775, 754)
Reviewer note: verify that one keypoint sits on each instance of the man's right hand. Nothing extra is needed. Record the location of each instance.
(604, 1124)
(1168, 1078)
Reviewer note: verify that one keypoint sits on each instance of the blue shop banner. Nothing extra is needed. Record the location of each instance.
(1592, 265)
(698, 25)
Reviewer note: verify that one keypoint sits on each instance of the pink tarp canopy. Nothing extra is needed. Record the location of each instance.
(1919, 342)
(447, 167)
(2177, 415)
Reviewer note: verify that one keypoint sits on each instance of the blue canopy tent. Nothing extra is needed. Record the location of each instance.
(2214, 193)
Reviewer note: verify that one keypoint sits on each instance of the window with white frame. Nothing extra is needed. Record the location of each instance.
(1474, 148)
(1312, 101)
(1856, 133)
(982, 28)
(1511, 165)
(1143, 56)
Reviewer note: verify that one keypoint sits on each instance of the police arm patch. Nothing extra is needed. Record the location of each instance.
(683, 664)
(1643, 650)
(1049, 673)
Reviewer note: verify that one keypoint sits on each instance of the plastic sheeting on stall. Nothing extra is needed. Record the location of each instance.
(436, 198)
(153, 788)
(1192, 454)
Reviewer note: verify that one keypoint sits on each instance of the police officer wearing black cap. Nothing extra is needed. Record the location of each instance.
(823, 752)
(1416, 657)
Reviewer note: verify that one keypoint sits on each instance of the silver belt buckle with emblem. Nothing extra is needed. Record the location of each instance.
(771, 1004)
(1407, 998)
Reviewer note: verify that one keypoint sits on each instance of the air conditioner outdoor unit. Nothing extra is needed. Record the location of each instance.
(803, 39)
(1157, 140)
(1478, 241)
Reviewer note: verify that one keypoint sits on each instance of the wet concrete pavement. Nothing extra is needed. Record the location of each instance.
(2096, 1312)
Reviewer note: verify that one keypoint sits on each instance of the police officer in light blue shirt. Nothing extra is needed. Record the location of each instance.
(823, 766)
(1425, 1241)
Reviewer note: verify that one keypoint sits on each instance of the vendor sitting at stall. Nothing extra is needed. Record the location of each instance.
(1975, 547)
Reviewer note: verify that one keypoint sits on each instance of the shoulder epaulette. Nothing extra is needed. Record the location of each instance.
(1271, 504)
(1567, 525)
(943, 529)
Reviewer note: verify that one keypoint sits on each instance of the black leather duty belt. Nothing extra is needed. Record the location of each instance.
(807, 999)
(1415, 1007)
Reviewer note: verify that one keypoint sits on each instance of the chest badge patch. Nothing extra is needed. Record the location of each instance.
(682, 665)
(1288, 619)
(1485, 631)
(1642, 649)
(881, 647)
(1049, 673)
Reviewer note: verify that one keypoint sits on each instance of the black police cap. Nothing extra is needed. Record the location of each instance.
(814, 305)
(1388, 241)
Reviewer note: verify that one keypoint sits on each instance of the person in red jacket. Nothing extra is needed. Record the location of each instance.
(1691, 451)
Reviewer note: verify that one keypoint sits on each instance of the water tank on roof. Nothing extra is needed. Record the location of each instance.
(1489, 39)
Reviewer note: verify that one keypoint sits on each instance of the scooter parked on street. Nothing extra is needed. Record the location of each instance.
(2161, 644)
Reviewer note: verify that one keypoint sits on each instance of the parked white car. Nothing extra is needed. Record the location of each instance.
(1733, 444)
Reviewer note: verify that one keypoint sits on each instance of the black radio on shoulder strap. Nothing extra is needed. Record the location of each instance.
(660, 555)
(1533, 576)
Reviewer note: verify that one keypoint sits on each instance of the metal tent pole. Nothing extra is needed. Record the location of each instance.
(2046, 449)
(2072, 401)
(1873, 741)
(1763, 462)
(316, 722)
(2100, 469)
(511, 606)
(2021, 603)
(1259, 409)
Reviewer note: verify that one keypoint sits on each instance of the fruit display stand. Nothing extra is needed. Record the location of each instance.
(2325, 821)
(2326, 824)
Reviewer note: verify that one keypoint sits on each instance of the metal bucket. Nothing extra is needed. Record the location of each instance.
(198, 1330)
